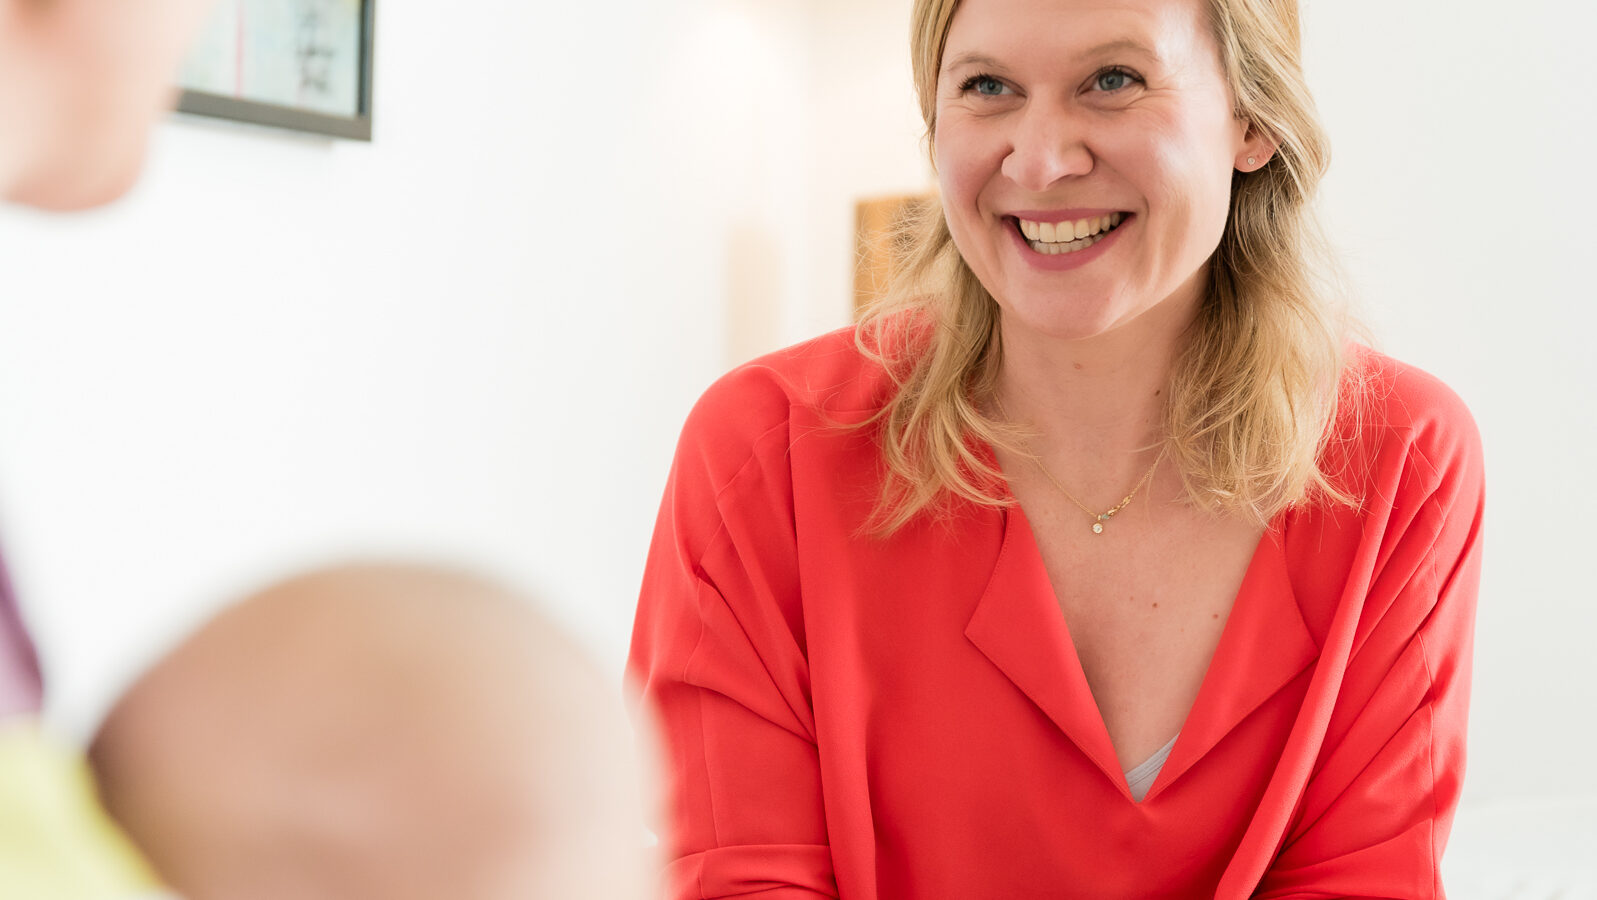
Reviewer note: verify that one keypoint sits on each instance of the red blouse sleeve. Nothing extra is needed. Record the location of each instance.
(718, 652)
(1376, 810)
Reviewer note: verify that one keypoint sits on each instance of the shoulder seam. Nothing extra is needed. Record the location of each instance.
(720, 531)
(743, 467)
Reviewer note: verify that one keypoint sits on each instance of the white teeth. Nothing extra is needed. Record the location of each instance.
(1053, 248)
(1067, 237)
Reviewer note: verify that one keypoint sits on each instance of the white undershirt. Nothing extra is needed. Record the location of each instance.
(1141, 778)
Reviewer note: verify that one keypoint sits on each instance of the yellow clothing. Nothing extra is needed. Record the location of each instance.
(56, 842)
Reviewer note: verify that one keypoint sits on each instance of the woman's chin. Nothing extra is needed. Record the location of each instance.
(1084, 322)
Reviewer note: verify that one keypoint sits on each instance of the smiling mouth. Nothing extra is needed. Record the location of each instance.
(1053, 238)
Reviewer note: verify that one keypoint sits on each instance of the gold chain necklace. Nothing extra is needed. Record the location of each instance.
(1098, 518)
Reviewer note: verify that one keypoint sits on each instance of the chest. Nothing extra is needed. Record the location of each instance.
(1146, 602)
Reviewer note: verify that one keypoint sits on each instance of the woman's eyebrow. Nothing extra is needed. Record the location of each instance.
(1123, 45)
(972, 59)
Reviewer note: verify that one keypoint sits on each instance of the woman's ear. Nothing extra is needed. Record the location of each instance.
(1258, 148)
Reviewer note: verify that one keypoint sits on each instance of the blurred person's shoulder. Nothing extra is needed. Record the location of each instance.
(56, 841)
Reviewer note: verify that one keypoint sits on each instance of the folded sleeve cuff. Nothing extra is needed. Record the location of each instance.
(768, 871)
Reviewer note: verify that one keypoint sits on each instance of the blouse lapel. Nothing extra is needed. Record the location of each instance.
(1264, 646)
(1018, 626)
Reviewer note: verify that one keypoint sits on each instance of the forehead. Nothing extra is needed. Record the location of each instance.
(1018, 32)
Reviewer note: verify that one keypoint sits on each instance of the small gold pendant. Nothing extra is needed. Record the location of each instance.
(1097, 528)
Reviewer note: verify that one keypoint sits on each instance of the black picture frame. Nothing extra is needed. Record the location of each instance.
(357, 127)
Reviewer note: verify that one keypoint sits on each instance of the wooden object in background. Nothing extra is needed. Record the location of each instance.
(879, 244)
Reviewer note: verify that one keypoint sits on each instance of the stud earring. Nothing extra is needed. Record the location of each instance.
(1251, 160)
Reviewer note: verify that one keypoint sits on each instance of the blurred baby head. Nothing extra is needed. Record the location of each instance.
(81, 82)
(378, 732)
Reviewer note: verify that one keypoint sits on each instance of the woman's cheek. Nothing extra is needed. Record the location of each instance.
(965, 165)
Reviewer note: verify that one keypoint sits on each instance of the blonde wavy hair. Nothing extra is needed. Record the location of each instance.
(1255, 388)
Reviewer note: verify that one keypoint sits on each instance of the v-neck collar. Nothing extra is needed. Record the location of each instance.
(1019, 626)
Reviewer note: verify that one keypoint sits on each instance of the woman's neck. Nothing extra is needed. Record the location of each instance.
(1102, 397)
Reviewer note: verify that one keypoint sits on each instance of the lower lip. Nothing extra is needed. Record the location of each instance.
(1059, 262)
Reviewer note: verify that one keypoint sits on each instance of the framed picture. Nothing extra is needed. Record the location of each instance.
(299, 64)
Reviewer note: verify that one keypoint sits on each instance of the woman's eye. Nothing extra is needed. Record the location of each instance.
(986, 85)
(1110, 80)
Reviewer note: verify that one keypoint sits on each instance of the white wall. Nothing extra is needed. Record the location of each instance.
(475, 337)
(478, 335)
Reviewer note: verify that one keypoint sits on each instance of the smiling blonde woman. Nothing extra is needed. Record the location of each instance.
(1096, 562)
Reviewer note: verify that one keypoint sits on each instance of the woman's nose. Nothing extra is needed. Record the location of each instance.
(1047, 146)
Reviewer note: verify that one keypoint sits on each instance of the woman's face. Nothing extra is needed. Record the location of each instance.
(1107, 119)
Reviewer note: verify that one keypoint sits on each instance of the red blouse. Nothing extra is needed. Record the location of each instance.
(852, 717)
